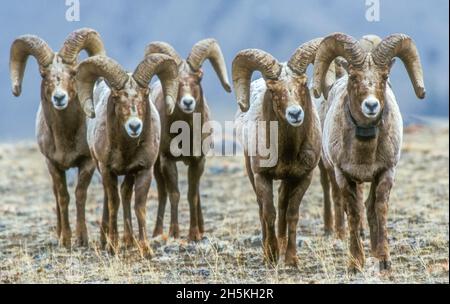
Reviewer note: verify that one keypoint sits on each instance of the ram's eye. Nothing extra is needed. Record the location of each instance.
(353, 77)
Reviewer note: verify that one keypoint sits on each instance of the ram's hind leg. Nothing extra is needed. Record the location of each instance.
(339, 210)
(252, 182)
(327, 213)
(63, 198)
(126, 191)
(162, 198)
(372, 219)
(170, 174)
(112, 193)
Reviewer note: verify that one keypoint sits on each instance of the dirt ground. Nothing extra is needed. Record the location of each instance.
(231, 250)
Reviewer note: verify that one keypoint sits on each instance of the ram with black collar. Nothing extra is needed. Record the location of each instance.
(362, 131)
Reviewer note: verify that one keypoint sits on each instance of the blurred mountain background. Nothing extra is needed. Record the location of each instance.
(277, 26)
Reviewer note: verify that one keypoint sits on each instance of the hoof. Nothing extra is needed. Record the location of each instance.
(341, 234)
(128, 241)
(354, 269)
(111, 249)
(157, 231)
(271, 254)
(82, 241)
(291, 260)
(328, 232)
(145, 250)
(103, 243)
(194, 235)
(174, 231)
(201, 228)
(65, 242)
(385, 265)
(103, 238)
(113, 245)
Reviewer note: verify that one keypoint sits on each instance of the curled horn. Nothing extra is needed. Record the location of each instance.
(403, 47)
(81, 39)
(163, 48)
(209, 49)
(304, 56)
(89, 70)
(21, 48)
(332, 46)
(166, 69)
(367, 42)
(244, 64)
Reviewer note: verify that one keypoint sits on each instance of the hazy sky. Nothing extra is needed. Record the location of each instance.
(277, 26)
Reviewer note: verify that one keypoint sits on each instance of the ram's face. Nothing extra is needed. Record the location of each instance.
(367, 89)
(189, 91)
(288, 98)
(130, 106)
(58, 83)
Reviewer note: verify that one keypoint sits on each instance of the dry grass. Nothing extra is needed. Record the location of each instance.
(231, 253)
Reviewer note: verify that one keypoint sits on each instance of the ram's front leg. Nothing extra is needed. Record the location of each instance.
(85, 172)
(349, 192)
(143, 181)
(264, 192)
(296, 193)
(383, 188)
(195, 172)
(283, 203)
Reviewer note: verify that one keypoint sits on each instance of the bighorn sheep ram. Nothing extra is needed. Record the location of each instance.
(281, 96)
(362, 130)
(190, 101)
(60, 122)
(124, 135)
(367, 42)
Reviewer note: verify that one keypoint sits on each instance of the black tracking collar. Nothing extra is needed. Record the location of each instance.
(365, 132)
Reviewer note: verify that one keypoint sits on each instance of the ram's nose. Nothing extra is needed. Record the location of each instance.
(59, 100)
(188, 104)
(134, 127)
(371, 107)
(294, 115)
